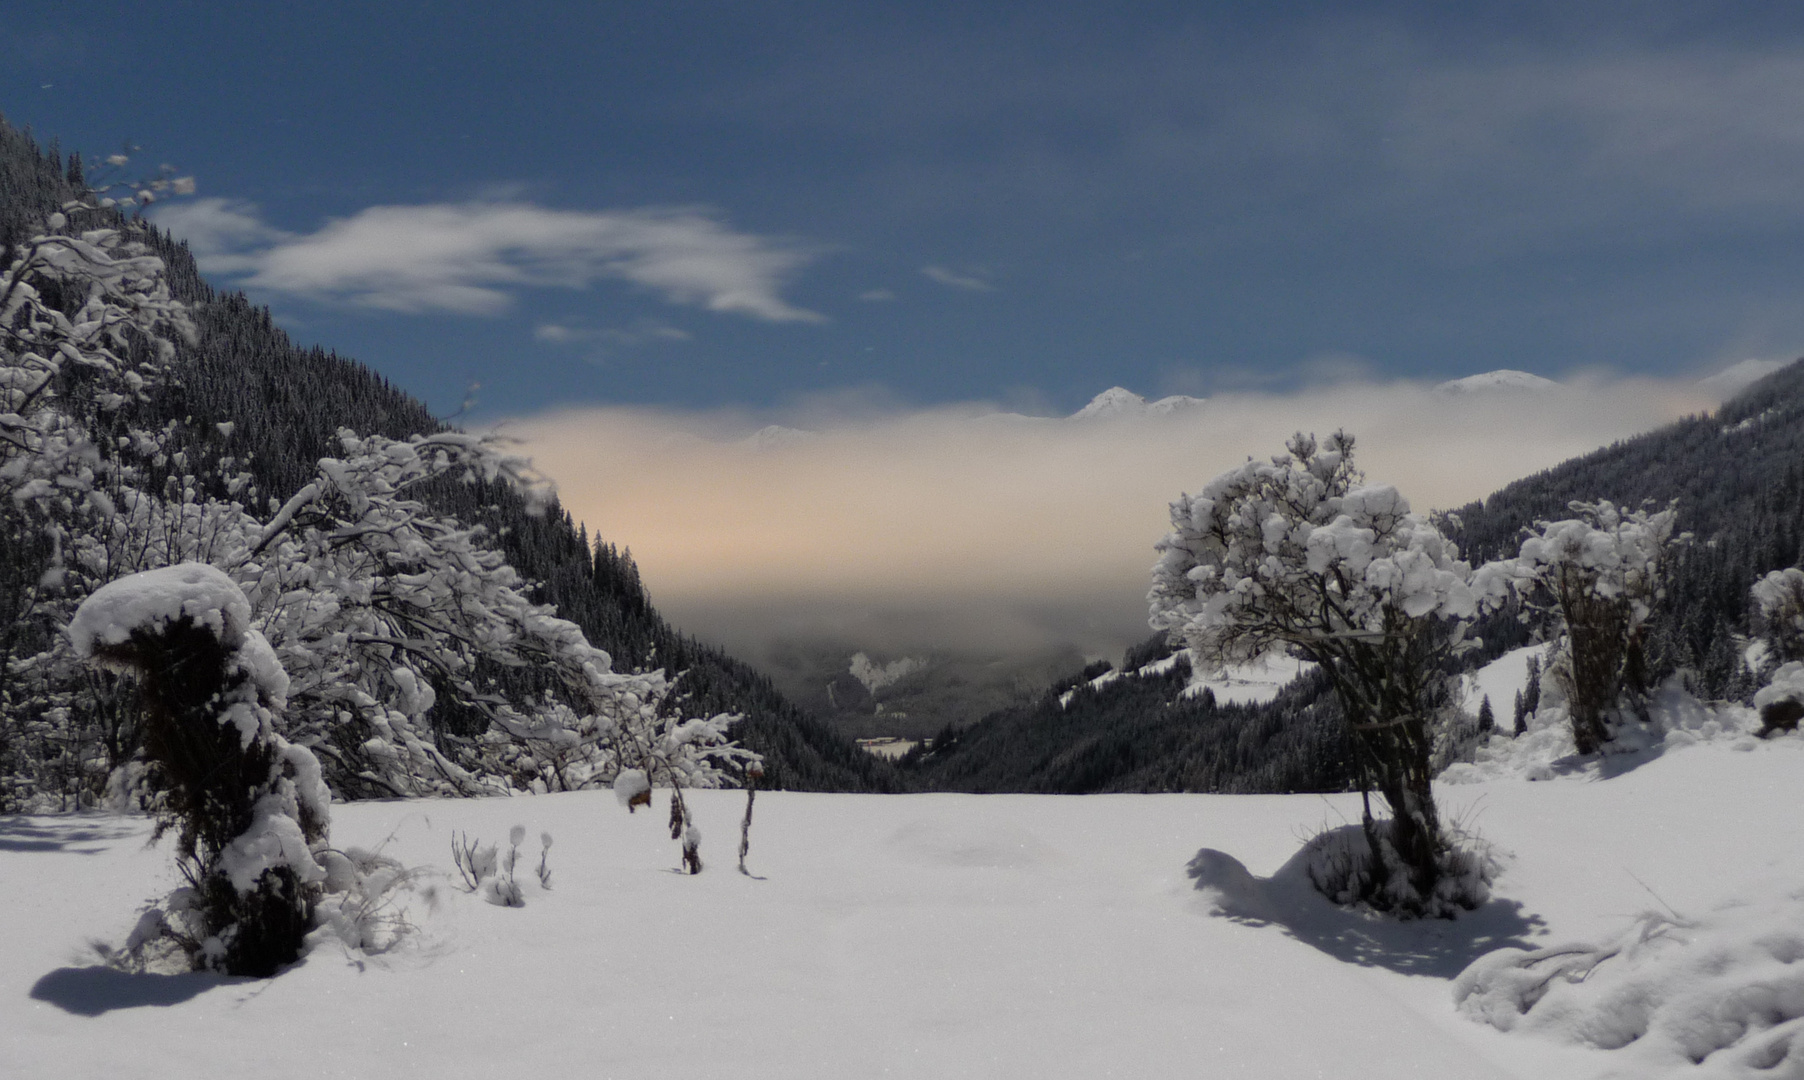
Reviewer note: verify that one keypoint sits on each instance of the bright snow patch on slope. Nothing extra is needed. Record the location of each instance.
(1734, 379)
(1252, 683)
(1500, 680)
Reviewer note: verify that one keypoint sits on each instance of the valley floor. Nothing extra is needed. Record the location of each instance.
(912, 936)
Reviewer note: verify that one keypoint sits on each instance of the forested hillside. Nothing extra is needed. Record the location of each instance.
(1139, 733)
(1738, 480)
(242, 417)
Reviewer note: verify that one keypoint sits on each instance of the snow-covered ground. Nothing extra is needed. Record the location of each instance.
(944, 936)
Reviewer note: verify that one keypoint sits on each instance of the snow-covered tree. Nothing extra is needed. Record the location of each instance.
(250, 809)
(1296, 556)
(86, 329)
(420, 662)
(1596, 577)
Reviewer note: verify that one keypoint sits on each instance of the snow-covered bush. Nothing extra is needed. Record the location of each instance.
(1295, 556)
(249, 807)
(363, 903)
(485, 870)
(1596, 577)
(1779, 602)
(1781, 702)
(1341, 867)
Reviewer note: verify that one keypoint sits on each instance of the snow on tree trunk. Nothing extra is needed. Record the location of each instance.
(250, 809)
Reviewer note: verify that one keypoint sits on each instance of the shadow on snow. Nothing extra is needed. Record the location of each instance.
(1441, 948)
(91, 991)
(61, 834)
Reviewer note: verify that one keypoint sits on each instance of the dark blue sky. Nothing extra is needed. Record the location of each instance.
(720, 204)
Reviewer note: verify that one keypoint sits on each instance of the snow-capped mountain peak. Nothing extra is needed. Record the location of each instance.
(1115, 401)
(1501, 379)
(1118, 401)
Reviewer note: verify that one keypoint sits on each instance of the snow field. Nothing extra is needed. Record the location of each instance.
(926, 935)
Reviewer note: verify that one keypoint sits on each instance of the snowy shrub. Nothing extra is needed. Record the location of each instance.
(1781, 702)
(1337, 865)
(1342, 868)
(1294, 556)
(249, 808)
(1779, 602)
(486, 871)
(1596, 577)
(1724, 993)
(361, 906)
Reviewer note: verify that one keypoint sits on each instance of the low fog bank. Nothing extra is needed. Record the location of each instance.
(974, 530)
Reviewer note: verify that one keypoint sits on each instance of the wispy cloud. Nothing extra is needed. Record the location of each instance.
(973, 280)
(877, 295)
(225, 235)
(472, 258)
(644, 332)
(969, 527)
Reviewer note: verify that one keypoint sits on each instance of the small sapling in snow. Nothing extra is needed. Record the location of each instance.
(753, 773)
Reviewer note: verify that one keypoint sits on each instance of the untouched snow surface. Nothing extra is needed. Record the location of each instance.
(917, 936)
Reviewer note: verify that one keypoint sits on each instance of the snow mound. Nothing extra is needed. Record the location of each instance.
(1723, 993)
